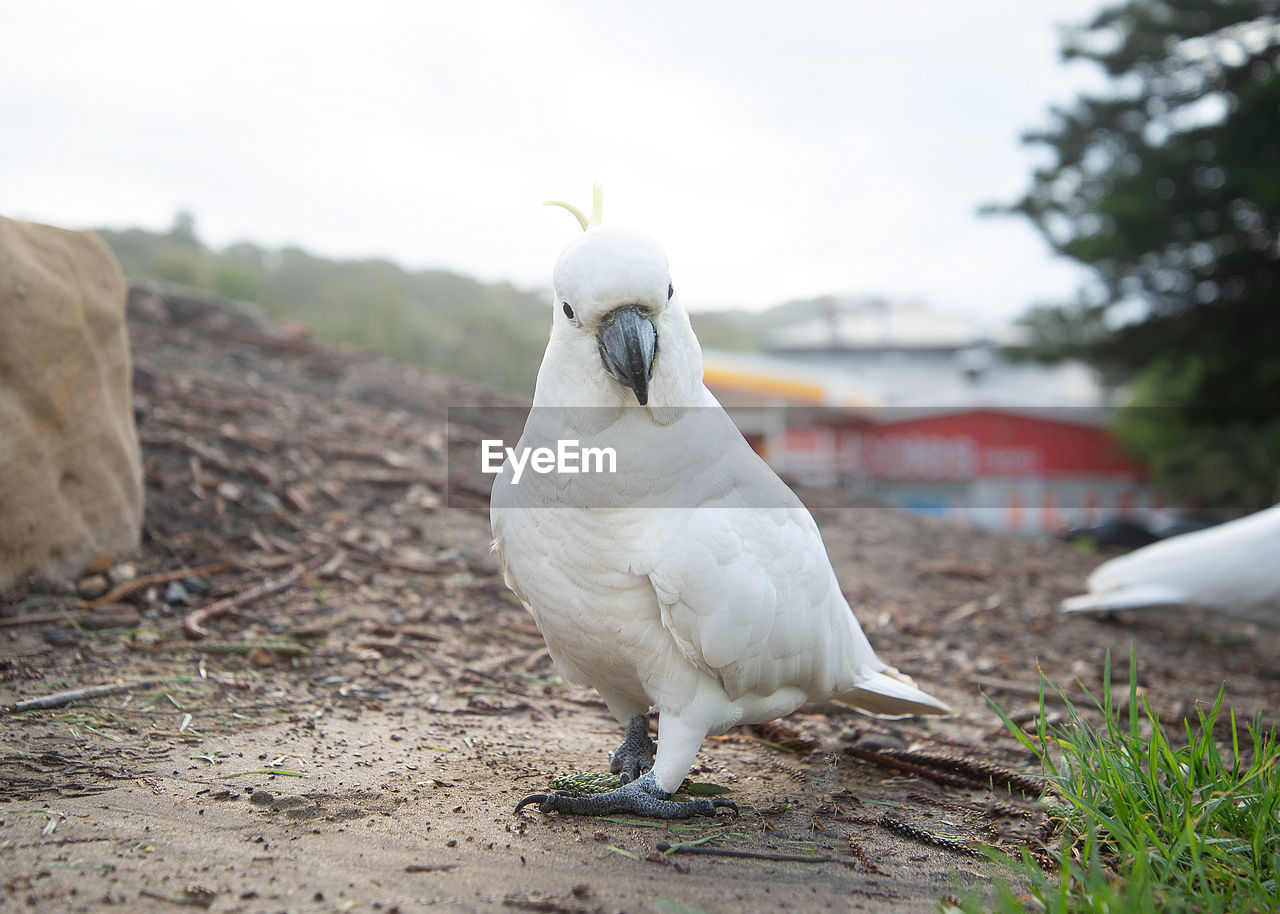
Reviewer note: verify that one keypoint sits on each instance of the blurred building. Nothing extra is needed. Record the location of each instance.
(924, 411)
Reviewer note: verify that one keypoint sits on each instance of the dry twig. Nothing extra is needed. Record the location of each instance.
(887, 760)
(193, 626)
(751, 855)
(906, 829)
(41, 618)
(976, 768)
(787, 736)
(58, 699)
(492, 665)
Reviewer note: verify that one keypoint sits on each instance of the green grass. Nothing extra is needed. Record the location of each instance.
(1152, 820)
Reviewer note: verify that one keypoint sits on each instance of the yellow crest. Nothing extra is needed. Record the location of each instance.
(597, 208)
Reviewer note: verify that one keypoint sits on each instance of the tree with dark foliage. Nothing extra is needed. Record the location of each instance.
(1169, 188)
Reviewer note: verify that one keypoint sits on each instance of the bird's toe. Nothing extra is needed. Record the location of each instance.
(532, 798)
(546, 802)
(714, 805)
(629, 768)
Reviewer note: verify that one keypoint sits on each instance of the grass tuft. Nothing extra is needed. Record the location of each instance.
(1152, 819)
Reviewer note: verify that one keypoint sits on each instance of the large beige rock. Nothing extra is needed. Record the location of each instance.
(70, 472)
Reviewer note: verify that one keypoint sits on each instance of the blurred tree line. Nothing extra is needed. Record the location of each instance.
(1169, 188)
(451, 323)
(492, 332)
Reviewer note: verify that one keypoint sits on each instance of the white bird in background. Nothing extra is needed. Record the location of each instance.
(691, 581)
(1233, 568)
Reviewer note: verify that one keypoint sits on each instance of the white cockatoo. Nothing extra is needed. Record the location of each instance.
(691, 580)
(1233, 568)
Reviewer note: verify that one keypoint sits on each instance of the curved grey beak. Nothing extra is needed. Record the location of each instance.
(628, 341)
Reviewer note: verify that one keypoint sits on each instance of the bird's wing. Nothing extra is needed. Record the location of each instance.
(749, 595)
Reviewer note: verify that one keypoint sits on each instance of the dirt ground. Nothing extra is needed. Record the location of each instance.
(356, 735)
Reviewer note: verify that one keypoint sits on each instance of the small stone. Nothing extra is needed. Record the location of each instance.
(230, 491)
(60, 637)
(95, 585)
(198, 586)
(176, 593)
(126, 571)
(261, 657)
(147, 640)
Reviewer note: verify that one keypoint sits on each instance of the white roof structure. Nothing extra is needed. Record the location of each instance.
(857, 324)
(910, 356)
(872, 355)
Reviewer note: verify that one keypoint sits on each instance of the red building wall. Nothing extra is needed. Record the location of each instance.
(992, 443)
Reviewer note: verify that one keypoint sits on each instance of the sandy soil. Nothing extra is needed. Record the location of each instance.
(405, 703)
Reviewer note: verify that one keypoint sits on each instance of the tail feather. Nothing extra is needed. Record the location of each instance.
(1136, 596)
(889, 693)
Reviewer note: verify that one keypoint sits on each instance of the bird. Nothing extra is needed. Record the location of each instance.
(692, 581)
(1231, 568)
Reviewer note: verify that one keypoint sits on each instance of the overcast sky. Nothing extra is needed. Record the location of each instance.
(775, 150)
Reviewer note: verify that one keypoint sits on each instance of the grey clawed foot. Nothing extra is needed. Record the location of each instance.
(642, 797)
(635, 756)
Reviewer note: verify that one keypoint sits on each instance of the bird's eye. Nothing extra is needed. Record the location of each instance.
(671, 290)
(568, 312)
